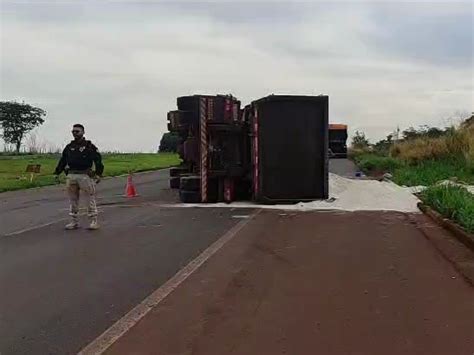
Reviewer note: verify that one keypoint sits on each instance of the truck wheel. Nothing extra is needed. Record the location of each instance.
(190, 183)
(189, 196)
(174, 182)
(177, 171)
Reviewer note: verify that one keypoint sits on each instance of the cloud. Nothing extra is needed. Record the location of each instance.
(428, 33)
(118, 67)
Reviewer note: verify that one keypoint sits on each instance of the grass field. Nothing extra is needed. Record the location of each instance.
(432, 171)
(426, 173)
(452, 202)
(14, 177)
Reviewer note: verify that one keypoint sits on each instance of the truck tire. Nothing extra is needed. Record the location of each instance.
(190, 183)
(189, 196)
(178, 171)
(174, 182)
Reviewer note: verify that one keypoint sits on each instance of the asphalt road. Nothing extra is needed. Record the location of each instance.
(329, 283)
(20, 210)
(343, 167)
(61, 289)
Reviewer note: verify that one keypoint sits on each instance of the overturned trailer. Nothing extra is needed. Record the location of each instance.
(273, 151)
(289, 148)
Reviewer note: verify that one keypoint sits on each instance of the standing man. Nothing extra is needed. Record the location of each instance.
(76, 161)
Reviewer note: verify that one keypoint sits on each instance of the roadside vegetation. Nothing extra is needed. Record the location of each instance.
(424, 173)
(453, 202)
(13, 175)
(427, 156)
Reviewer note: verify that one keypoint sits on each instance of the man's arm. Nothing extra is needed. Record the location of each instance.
(62, 163)
(99, 167)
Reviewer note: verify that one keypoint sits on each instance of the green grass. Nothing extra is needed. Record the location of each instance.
(453, 202)
(425, 173)
(432, 171)
(373, 164)
(14, 177)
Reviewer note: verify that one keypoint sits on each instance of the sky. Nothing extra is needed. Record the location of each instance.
(118, 66)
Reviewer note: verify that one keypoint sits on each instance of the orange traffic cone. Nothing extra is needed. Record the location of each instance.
(130, 188)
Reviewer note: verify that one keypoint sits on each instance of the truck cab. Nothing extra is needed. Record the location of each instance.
(337, 140)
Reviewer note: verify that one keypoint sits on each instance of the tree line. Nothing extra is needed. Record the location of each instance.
(361, 142)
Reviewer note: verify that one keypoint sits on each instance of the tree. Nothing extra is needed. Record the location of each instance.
(359, 141)
(410, 133)
(383, 146)
(17, 119)
(469, 121)
(424, 132)
(435, 132)
(169, 143)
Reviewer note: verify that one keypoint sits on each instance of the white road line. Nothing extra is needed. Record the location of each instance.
(38, 226)
(21, 231)
(123, 325)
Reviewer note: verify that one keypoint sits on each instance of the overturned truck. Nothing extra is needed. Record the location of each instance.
(273, 150)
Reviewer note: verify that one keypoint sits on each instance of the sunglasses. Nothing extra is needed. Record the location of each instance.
(76, 131)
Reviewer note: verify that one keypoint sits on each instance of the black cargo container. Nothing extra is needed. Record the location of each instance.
(289, 148)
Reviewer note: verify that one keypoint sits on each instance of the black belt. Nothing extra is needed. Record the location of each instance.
(86, 172)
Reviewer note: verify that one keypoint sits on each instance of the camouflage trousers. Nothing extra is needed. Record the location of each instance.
(77, 183)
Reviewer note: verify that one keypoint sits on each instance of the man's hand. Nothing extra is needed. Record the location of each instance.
(97, 179)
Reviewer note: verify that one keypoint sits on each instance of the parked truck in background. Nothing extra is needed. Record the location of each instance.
(337, 140)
